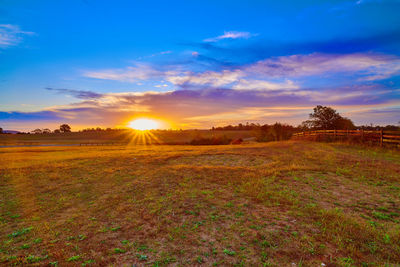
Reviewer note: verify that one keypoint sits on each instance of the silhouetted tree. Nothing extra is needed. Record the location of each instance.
(37, 131)
(46, 130)
(1, 130)
(56, 131)
(65, 128)
(327, 118)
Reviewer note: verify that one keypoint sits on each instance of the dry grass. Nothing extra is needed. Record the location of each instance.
(274, 204)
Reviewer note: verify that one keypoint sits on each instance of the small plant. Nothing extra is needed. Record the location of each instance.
(74, 258)
(118, 251)
(347, 261)
(372, 247)
(142, 248)
(21, 232)
(229, 252)
(380, 215)
(386, 239)
(229, 205)
(142, 257)
(88, 262)
(33, 259)
(25, 246)
(37, 240)
(199, 259)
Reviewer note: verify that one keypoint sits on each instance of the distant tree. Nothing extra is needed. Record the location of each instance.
(327, 118)
(46, 130)
(56, 131)
(37, 131)
(65, 128)
(1, 130)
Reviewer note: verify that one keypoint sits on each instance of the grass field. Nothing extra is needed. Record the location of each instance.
(272, 204)
(121, 136)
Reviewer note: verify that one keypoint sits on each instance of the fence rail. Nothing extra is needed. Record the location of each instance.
(380, 137)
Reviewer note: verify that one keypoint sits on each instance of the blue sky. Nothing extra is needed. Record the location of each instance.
(197, 64)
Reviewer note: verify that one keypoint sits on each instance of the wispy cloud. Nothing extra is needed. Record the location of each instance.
(76, 93)
(130, 74)
(367, 66)
(264, 85)
(11, 35)
(231, 35)
(210, 78)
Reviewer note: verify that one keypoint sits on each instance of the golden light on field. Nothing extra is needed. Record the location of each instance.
(144, 124)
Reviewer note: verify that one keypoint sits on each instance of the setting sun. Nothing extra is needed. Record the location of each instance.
(144, 124)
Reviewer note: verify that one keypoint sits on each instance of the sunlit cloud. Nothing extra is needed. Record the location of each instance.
(209, 107)
(207, 78)
(264, 85)
(11, 35)
(272, 73)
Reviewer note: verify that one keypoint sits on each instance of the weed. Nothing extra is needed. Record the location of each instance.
(380, 215)
(25, 246)
(229, 252)
(118, 251)
(88, 262)
(74, 258)
(21, 232)
(142, 257)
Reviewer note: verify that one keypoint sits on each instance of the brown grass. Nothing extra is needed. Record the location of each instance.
(269, 204)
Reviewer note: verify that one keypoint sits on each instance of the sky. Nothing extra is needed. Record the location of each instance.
(197, 64)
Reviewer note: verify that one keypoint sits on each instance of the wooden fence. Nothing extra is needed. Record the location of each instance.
(377, 137)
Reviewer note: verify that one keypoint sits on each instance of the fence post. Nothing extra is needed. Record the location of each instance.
(381, 138)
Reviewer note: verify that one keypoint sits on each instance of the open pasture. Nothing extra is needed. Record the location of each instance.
(271, 204)
(128, 137)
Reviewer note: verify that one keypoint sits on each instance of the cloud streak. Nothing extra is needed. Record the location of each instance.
(11, 35)
(76, 93)
(368, 65)
(230, 35)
